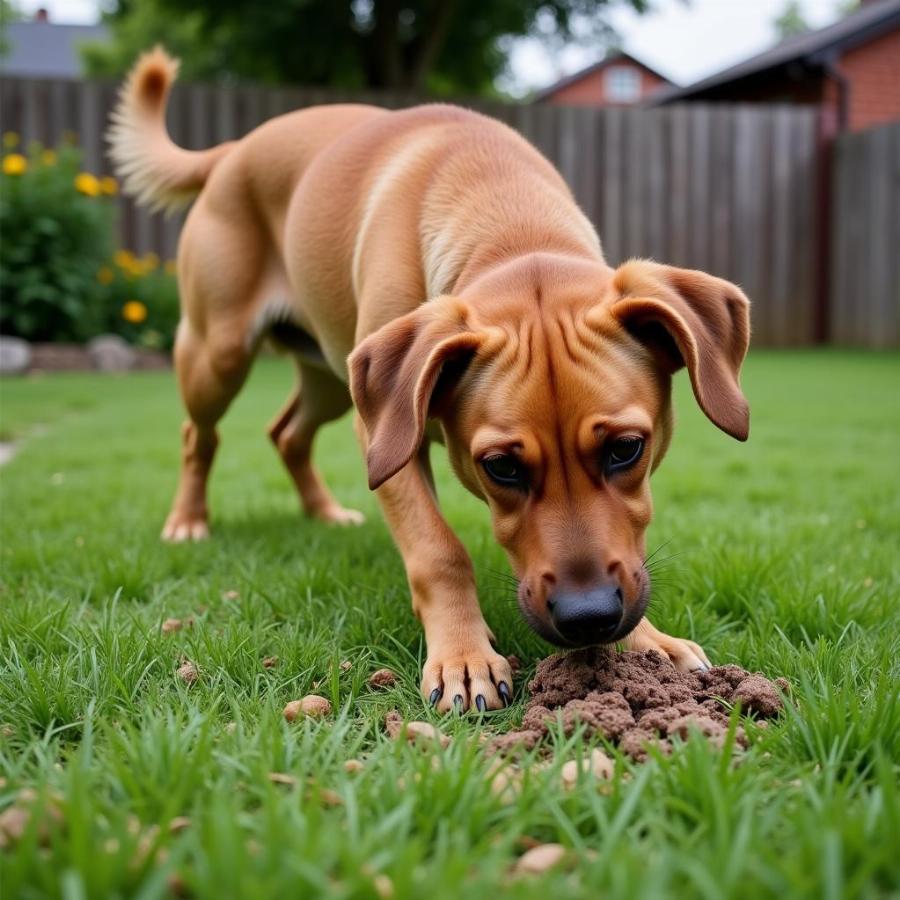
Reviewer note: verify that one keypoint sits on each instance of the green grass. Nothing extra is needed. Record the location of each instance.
(783, 556)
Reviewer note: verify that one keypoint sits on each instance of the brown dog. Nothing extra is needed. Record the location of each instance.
(546, 372)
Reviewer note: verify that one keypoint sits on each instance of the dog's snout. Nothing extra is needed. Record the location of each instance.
(589, 616)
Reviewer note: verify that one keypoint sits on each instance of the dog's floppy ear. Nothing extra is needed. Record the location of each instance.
(689, 318)
(393, 376)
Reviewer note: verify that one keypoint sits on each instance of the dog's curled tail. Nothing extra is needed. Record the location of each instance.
(153, 169)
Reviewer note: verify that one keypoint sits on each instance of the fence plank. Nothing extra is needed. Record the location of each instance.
(865, 274)
(611, 236)
(699, 254)
(678, 180)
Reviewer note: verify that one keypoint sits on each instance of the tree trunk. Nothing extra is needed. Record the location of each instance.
(386, 68)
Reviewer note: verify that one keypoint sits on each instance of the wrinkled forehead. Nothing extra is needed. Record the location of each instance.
(557, 371)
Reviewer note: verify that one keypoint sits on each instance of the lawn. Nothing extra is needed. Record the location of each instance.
(781, 555)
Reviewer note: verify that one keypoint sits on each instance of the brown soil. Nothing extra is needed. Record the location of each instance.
(637, 700)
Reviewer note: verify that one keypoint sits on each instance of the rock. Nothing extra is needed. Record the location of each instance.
(15, 355)
(311, 705)
(383, 678)
(539, 859)
(383, 885)
(598, 765)
(425, 734)
(187, 672)
(420, 733)
(282, 778)
(110, 353)
(506, 784)
(393, 724)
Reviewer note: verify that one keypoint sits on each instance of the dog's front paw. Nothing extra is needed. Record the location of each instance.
(473, 677)
(686, 656)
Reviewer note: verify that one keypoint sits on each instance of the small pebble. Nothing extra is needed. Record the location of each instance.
(346, 665)
(188, 673)
(424, 734)
(506, 784)
(353, 765)
(282, 778)
(270, 662)
(599, 765)
(384, 887)
(515, 664)
(330, 797)
(312, 705)
(179, 823)
(539, 859)
(171, 625)
(383, 678)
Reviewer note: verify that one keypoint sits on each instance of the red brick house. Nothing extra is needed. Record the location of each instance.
(851, 70)
(618, 80)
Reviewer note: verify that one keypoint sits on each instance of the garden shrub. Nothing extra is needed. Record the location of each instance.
(59, 277)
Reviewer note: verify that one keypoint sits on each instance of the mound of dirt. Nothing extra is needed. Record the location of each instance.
(637, 700)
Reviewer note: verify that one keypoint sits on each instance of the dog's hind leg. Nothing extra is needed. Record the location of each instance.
(319, 398)
(211, 371)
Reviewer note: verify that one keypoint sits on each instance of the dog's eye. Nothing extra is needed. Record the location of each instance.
(505, 470)
(624, 452)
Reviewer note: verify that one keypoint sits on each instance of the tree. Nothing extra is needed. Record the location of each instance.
(8, 13)
(440, 46)
(791, 22)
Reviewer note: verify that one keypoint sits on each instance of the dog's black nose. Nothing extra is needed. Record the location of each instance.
(587, 616)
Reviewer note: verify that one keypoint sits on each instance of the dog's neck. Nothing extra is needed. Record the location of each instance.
(513, 220)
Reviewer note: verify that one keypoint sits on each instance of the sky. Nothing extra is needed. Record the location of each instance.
(685, 40)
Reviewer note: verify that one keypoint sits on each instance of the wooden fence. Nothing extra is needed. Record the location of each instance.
(865, 238)
(728, 189)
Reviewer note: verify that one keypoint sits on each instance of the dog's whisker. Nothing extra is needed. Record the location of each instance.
(660, 547)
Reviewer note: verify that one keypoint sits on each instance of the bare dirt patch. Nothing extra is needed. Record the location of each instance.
(637, 701)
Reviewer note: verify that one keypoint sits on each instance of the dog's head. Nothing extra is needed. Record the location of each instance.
(552, 385)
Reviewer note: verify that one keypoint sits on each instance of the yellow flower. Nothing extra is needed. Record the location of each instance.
(124, 259)
(150, 262)
(134, 311)
(10, 139)
(48, 158)
(105, 275)
(109, 185)
(87, 184)
(14, 164)
(170, 267)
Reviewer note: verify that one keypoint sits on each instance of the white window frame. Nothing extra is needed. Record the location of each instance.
(622, 84)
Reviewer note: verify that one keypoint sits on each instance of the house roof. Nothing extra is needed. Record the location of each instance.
(47, 50)
(615, 57)
(813, 48)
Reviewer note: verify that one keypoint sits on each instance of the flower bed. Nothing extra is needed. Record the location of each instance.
(62, 279)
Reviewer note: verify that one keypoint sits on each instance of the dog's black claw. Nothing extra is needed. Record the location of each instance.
(505, 695)
(458, 701)
(436, 695)
(480, 703)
